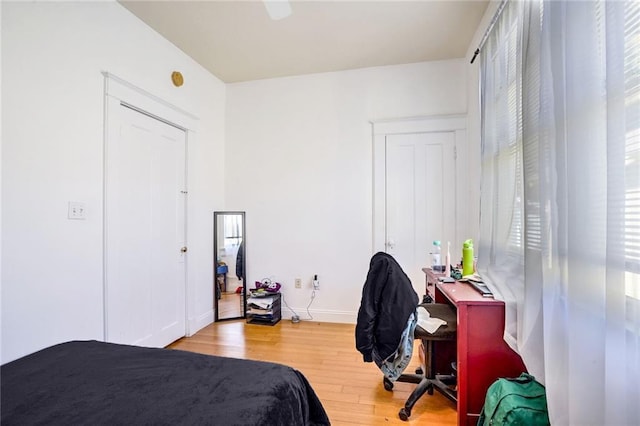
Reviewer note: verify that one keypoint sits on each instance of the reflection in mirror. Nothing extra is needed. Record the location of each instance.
(229, 248)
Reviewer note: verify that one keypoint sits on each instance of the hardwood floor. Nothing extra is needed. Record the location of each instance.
(230, 305)
(351, 391)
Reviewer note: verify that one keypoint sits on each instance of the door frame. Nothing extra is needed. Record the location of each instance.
(119, 93)
(383, 128)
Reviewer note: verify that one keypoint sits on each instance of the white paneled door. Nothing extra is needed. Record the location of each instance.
(145, 200)
(420, 198)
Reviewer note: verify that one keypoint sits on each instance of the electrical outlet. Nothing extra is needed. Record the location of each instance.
(298, 283)
(77, 210)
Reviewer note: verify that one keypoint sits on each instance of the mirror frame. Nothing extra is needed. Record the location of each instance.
(216, 215)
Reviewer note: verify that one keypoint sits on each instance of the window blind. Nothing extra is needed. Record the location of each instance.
(632, 147)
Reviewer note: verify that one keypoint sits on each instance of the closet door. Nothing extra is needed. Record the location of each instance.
(420, 198)
(145, 229)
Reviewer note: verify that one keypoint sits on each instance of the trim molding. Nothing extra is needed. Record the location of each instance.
(198, 323)
(117, 93)
(435, 123)
(340, 317)
(131, 94)
(381, 129)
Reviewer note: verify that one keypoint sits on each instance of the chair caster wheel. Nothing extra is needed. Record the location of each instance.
(388, 384)
(404, 414)
(430, 390)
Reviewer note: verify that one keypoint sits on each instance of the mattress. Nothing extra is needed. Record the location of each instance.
(97, 383)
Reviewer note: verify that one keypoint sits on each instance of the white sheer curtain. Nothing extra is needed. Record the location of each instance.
(574, 311)
(232, 229)
(589, 57)
(501, 247)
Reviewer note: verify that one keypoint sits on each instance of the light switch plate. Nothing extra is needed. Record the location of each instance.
(77, 210)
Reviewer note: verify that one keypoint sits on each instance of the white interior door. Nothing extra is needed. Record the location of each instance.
(145, 229)
(420, 198)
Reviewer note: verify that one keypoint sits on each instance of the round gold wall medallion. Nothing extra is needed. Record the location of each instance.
(177, 78)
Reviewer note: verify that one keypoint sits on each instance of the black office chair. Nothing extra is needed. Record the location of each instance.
(426, 376)
(388, 300)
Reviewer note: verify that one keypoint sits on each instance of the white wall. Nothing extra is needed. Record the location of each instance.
(52, 140)
(299, 162)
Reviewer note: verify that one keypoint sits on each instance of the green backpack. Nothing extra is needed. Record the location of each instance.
(518, 401)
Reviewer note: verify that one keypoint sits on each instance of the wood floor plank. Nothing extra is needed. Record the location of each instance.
(351, 390)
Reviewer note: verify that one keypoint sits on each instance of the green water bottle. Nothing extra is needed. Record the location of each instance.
(467, 258)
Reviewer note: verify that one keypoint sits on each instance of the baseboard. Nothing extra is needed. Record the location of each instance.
(344, 317)
(200, 322)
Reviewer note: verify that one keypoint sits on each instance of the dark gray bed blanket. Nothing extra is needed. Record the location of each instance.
(92, 383)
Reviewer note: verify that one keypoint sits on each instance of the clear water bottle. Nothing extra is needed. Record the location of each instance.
(436, 253)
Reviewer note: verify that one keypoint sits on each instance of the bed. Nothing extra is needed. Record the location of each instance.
(91, 382)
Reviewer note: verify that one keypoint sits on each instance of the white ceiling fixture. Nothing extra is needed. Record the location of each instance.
(278, 9)
(237, 41)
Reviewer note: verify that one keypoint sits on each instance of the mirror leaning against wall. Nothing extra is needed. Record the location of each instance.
(229, 249)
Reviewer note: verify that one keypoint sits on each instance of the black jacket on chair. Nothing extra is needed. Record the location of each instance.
(388, 299)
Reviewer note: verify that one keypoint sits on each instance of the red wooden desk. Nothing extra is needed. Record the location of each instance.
(482, 354)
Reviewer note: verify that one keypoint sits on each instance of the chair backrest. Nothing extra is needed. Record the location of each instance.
(388, 299)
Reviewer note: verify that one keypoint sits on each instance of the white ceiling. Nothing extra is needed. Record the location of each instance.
(237, 41)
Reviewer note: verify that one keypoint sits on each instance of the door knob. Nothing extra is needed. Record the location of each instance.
(390, 243)
(183, 250)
